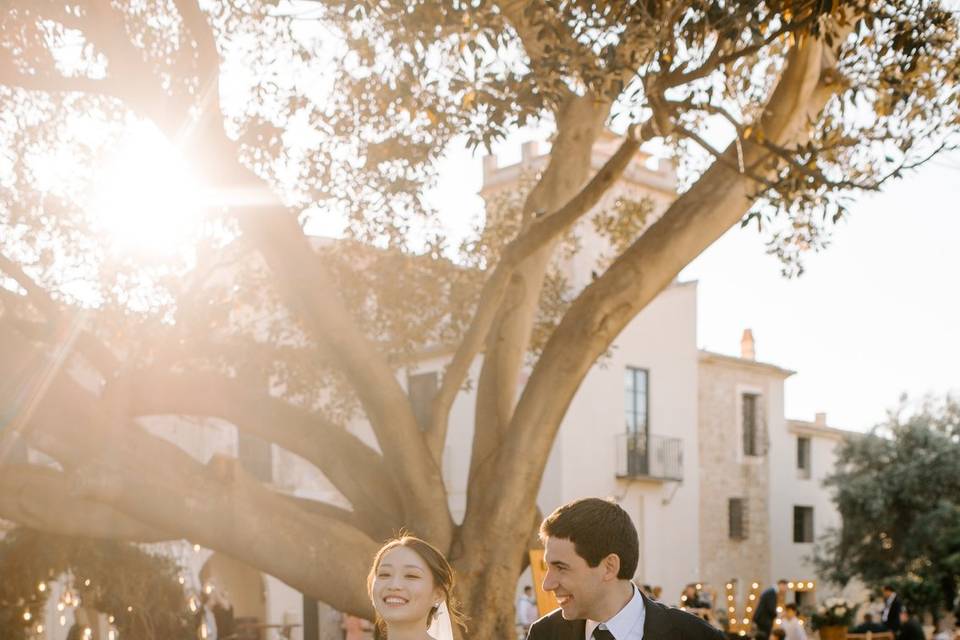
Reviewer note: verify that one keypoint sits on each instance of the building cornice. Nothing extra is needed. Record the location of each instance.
(710, 357)
(807, 428)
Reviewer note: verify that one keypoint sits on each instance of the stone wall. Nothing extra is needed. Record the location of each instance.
(726, 473)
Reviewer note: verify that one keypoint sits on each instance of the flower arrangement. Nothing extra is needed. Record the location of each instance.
(834, 612)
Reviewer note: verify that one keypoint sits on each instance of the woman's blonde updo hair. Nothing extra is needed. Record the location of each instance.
(441, 570)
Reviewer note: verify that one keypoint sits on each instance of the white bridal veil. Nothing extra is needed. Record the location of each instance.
(441, 628)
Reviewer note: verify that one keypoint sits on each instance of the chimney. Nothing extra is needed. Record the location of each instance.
(747, 350)
(820, 419)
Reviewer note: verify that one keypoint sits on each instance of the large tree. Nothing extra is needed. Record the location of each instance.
(898, 492)
(289, 111)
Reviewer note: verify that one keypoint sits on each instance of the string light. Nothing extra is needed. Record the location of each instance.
(27, 616)
(86, 582)
(42, 587)
(39, 628)
(63, 621)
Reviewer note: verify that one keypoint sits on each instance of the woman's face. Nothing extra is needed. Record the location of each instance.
(403, 591)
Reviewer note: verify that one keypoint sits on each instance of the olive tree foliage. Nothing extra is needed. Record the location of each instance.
(287, 112)
(898, 492)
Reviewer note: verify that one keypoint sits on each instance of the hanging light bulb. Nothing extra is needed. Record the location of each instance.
(27, 616)
(39, 628)
(63, 621)
(60, 606)
(42, 587)
(86, 582)
(110, 619)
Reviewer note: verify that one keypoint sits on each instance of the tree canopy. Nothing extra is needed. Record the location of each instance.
(898, 492)
(284, 113)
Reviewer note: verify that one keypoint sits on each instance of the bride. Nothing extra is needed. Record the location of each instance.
(411, 587)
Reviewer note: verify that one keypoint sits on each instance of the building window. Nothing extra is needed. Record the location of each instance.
(751, 432)
(803, 456)
(803, 524)
(637, 400)
(256, 456)
(636, 406)
(422, 388)
(737, 518)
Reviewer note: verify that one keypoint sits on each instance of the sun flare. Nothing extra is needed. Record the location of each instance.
(145, 200)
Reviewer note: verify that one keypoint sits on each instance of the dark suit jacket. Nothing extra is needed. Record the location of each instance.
(893, 619)
(766, 611)
(660, 623)
(911, 630)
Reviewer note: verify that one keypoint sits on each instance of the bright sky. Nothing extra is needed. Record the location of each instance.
(875, 315)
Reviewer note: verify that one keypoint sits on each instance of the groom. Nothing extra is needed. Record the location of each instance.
(591, 553)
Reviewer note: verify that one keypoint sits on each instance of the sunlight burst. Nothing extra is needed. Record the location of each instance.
(145, 201)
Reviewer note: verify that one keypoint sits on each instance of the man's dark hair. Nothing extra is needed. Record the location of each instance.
(596, 528)
(791, 606)
(888, 587)
(782, 581)
(527, 588)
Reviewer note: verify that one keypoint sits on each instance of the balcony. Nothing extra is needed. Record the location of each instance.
(649, 457)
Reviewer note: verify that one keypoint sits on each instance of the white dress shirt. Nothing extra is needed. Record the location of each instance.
(627, 624)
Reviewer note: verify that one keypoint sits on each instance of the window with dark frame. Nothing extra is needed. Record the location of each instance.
(802, 524)
(637, 400)
(803, 456)
(422, 388)
(636, 414)
(737, 518)
(749, 403)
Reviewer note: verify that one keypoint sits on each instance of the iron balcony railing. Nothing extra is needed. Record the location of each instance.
(640, 455)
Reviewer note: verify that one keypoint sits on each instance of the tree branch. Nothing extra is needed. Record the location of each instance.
(289, 256)
(219, 505)
(59, 323)
(356, 470)
(696, 219)
(43, 498)
(529, 241)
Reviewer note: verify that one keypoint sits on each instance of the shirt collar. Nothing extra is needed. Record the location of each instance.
(621, 624)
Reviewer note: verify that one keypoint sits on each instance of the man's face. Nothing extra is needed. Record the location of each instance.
(887, 593)
(579, 588)
(782, 588)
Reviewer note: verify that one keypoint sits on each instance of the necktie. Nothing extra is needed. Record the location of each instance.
(602, 633)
